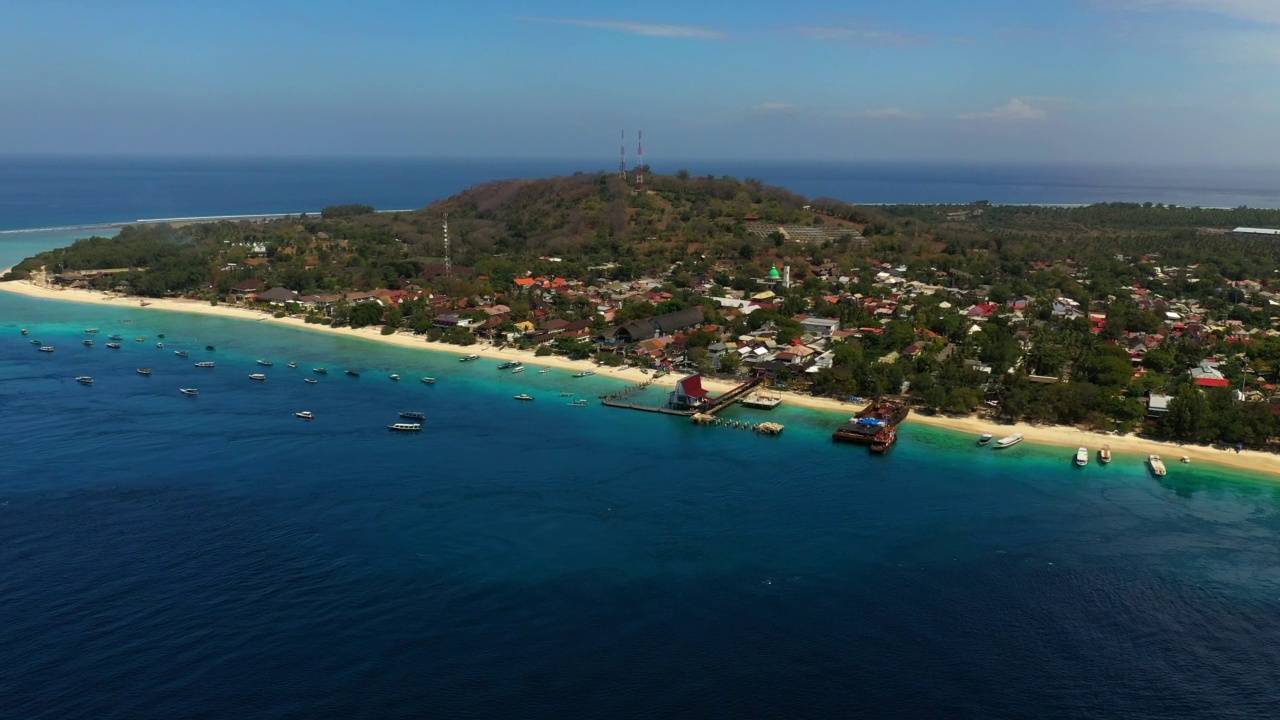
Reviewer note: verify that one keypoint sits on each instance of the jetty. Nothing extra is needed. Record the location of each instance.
(687, 399)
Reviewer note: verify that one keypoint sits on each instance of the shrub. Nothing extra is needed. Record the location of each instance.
(543, 351)
(388, 330)
(326, 321)
(278, 314)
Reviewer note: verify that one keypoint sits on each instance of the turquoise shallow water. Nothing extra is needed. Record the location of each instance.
(168, 556)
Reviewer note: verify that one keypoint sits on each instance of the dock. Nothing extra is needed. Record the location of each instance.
(762, 400)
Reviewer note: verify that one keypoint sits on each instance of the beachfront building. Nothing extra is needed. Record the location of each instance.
(689, 394)
(668, 324)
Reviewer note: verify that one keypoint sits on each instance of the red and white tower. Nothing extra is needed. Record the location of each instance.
(640, 161)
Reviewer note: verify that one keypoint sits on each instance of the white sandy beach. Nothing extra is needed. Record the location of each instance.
(1068, 438)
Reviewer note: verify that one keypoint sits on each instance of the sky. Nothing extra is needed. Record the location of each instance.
(1090, 81)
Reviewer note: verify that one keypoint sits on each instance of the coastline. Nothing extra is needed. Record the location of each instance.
(1066, 437)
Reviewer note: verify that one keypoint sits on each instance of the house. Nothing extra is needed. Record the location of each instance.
(1157, 405)
(252, 286)
(277, 296)
(689, 394)
(825, 327)
(668, 324)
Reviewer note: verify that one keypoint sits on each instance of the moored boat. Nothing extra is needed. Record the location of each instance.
(24, 331)
(1104, 455)
(986, 438)
(37, 342)
(405, 427)
(114, 346)
(257, 376)
(413, 415)
(310, 381)
(884, 441)
(523, 396)
(1082, 456)
(544, 371)
(517, 369)
(265, 362)
(394, 376)
(87, 342)
(584, 373)
(293, 365)
(1157, 465)
(210, 347)
(871, 421)
(180, 353)
(305, 415)
(115, 337)
(84, 380)
(92, 330)
(320, 371)
(144, 371)
(46, 348)
(159, 345)
(140, 339)
(204, 364)
(468, 358)
(508, 365)
(189, 391)
(429, 380)
(580, 402)
(353, 373)
(1008, 441)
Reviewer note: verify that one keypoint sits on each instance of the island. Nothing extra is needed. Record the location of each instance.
(1120, 318)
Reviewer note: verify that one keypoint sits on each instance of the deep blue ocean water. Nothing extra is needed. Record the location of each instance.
(165, 556)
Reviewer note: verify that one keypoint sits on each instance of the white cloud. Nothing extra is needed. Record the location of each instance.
(890, 113)
(681, 32)
(856, 35)
(1015, 110)
(1266, 12)
(775, 108)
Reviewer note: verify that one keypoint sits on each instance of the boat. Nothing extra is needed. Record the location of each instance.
(46, 348)
(1008, 441)
(265, 362)
(310, 381)
(413, 415)
(517, 369)
(159, 345)
(508, 365)
(1082, 456)
(305, 415)
(1157, 465)
(468, 358)
(140, 339)
(1104, 455)
(584, 373)
(873, 420)
(87, 342)
(210, 347)
(566, 394)
(580, 402)
(986, 438)
(544, 371)
(405, 427)
(523, 396)
(205, 364)
(189, 391)
(144, 371)
(1186, 460)
(84, 380)
(180, 353)
(160, 335)
(257, 376)
(92, 330)
(293, 365)
(24, 331)
(429, 380)
(884, 441)
(115, 337)
(114, 346)
(353, 373)
(37, 342)
(320, 371)
(394, 376)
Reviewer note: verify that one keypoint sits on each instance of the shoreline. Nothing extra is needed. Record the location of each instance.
(1061, 436)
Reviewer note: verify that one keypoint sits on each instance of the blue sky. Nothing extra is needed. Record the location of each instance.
(1158, 81)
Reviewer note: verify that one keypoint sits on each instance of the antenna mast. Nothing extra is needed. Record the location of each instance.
(640, 161)
(622, 157)
(448, 262)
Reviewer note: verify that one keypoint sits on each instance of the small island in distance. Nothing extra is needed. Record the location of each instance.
(1114, 317)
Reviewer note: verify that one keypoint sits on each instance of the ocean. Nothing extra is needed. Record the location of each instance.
(167, 556)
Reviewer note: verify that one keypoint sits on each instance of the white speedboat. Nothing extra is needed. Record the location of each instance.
(544, 371)
(113, 345)
(265, 362)
(189, 391)
(181, 353)
(1104, 455)
(144, 371)
(46, 348)
(305, 415)
(518, 369)
(1008, 441)
(405, 427)
(581, 402)
(159, 345)
(84, 380)
(1157, 465)
(523, 396)
(986, 438)
(310, 381)
(293, 365)
(394, 376)
(257, 376)
(429, 380)
(1082, 456)
(205, 364)
(468, 358)
(584, 373)
(87, 342)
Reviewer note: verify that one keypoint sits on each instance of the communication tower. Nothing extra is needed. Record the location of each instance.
(622, 157)
(448, 261)
(640, 161)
